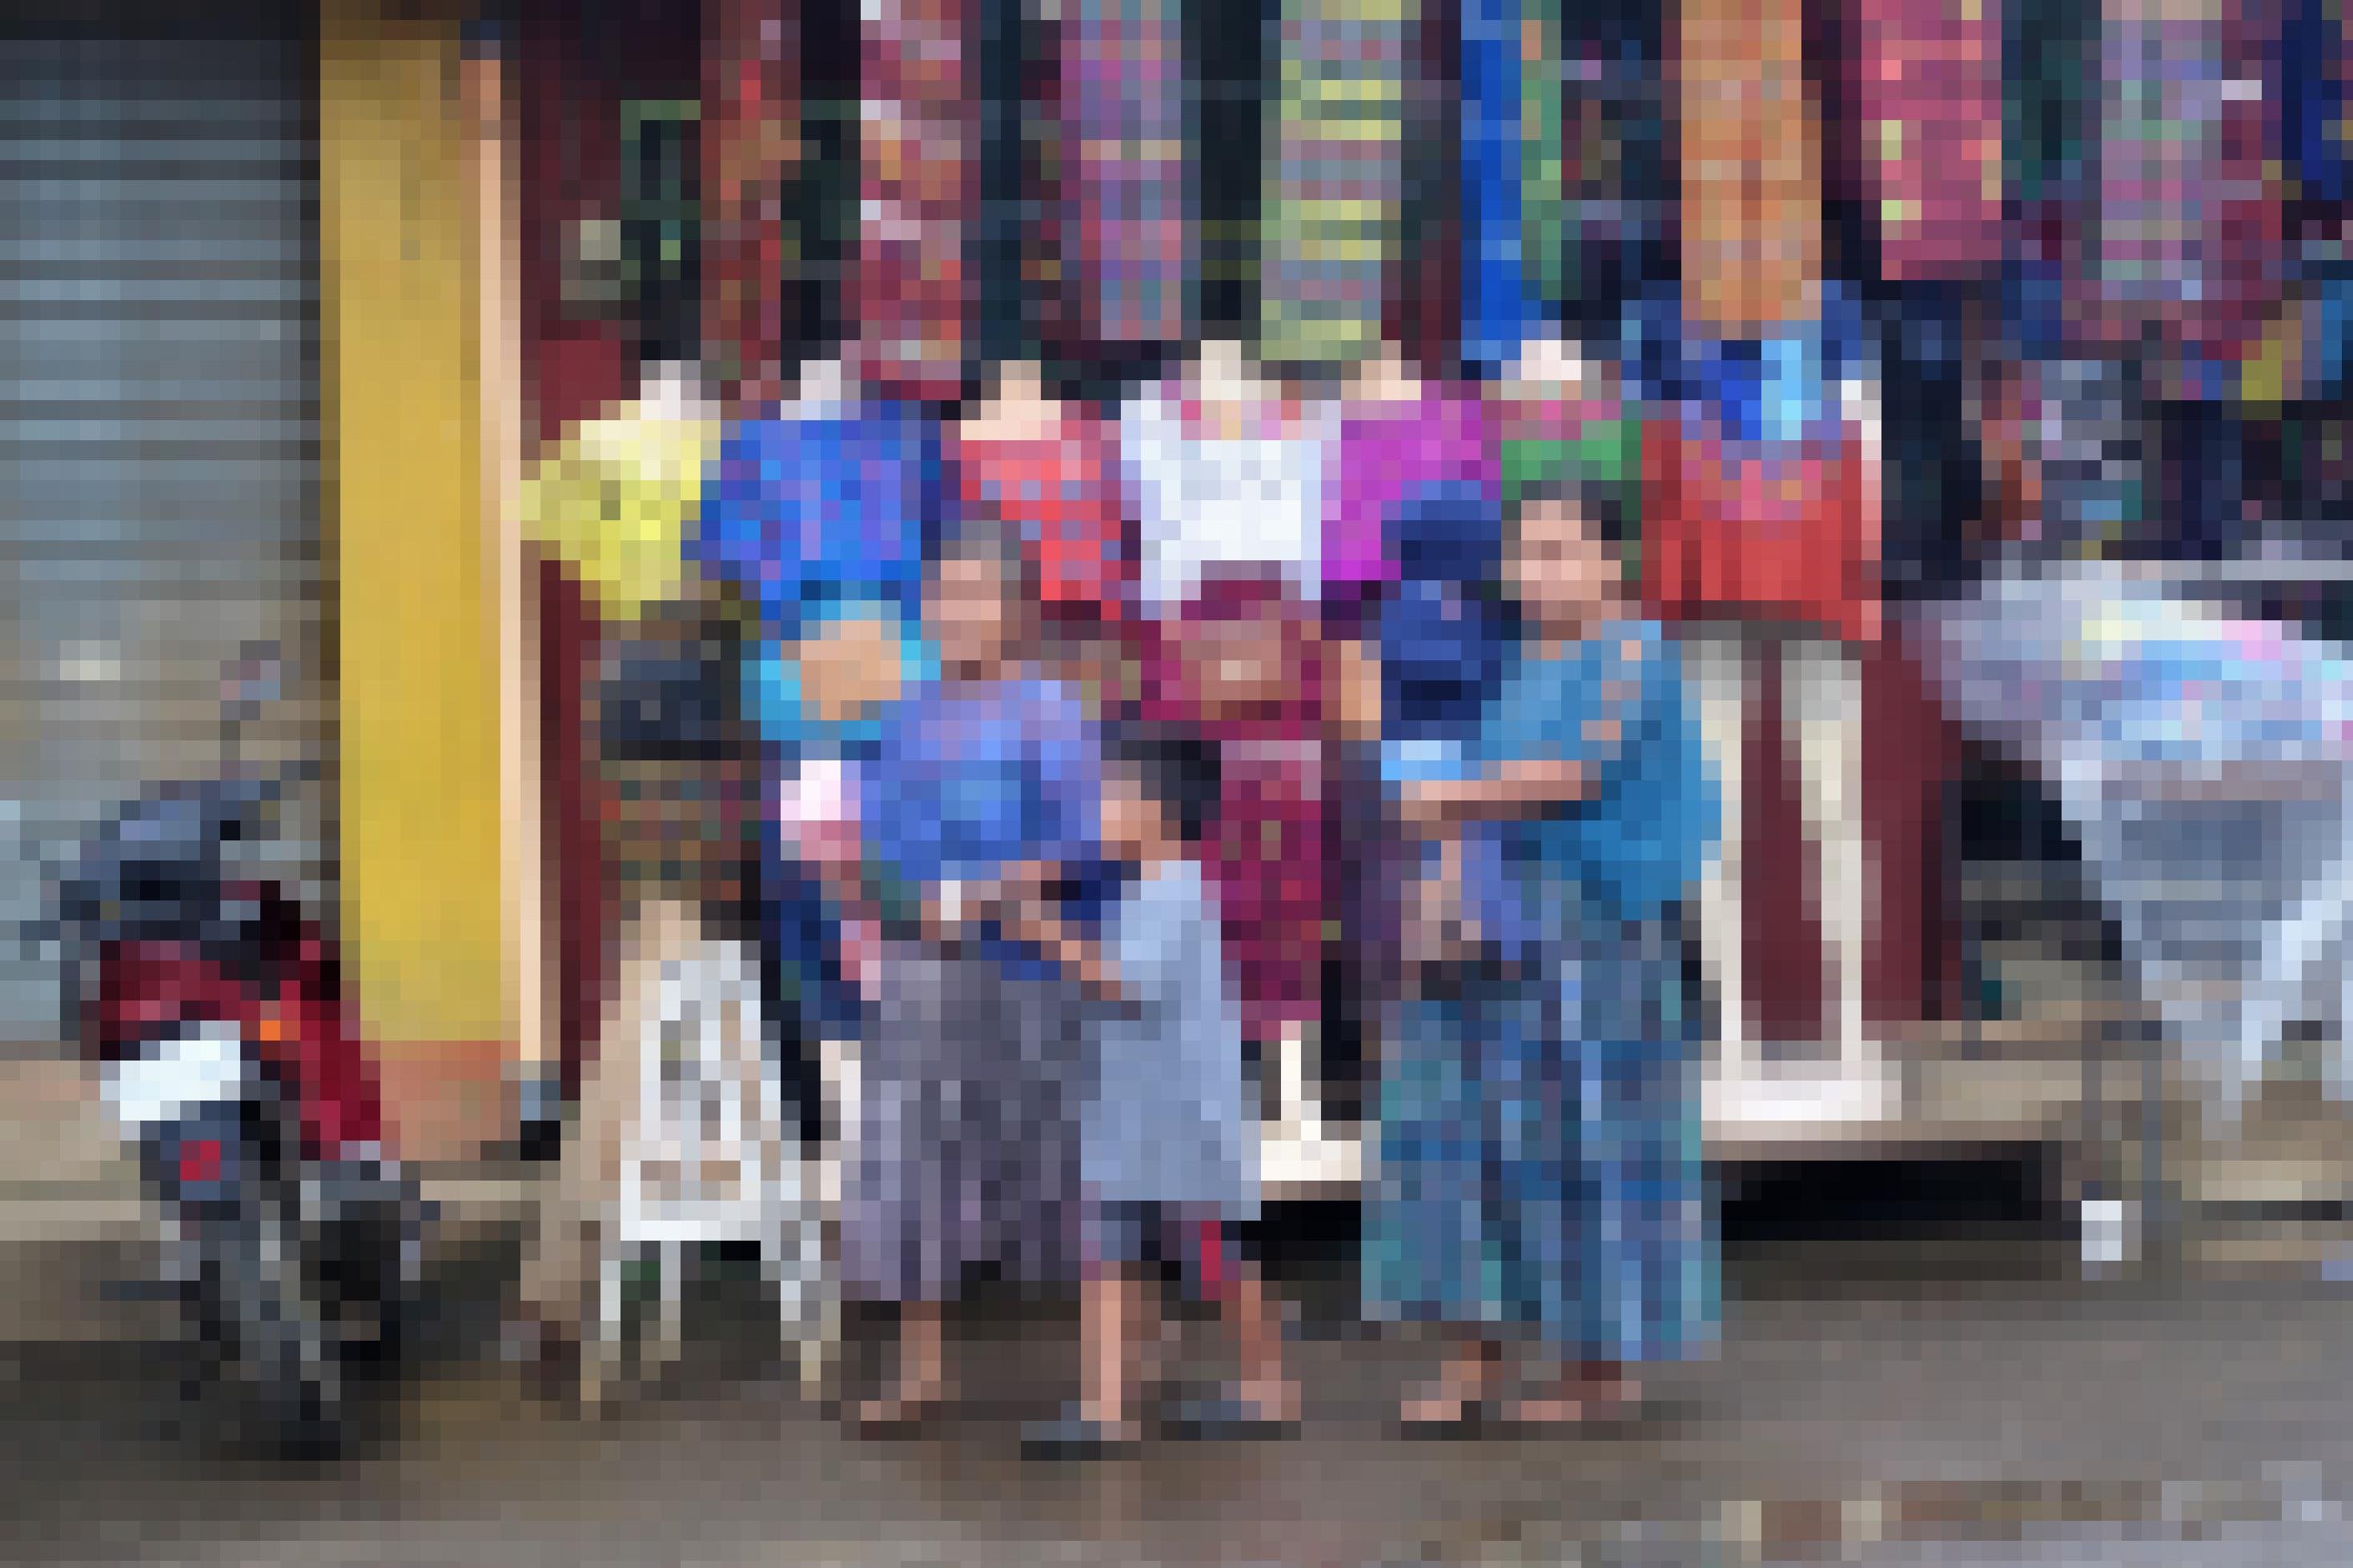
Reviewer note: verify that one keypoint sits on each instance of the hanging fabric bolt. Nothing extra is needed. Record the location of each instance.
(1333, 179)
(751, 145)
(919, 190)
(1130, 229)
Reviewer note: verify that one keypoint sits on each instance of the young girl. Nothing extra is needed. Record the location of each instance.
(1167, 1154)
(1541, 1167)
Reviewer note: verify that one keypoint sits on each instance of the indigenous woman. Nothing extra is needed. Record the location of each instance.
(981, 802)
(1539, 1132)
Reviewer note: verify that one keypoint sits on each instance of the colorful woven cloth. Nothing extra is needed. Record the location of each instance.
(1130, 228)
(919, 188)
(1750, 168)
(1927, 93)
(1539, 1157)
(804, 511)
(615, 499)
(1059, 491)
(2189, 238)
(1386, 453)
(1790, 533)
(1500, 306)
(1333, 182)
(750, 144)
(1546, 242)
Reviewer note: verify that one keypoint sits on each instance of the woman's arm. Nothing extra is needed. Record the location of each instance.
(1530, 786)
(1516, 789)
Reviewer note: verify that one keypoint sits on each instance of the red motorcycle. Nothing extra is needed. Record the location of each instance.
(214, 1008)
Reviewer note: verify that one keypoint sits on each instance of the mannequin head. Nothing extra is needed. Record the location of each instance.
(672, 389)
(823, 384)
(1223, 368)
(1550, 366)
(1387, 377)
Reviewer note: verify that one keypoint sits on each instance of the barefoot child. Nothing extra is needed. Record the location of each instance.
(1167, 1154)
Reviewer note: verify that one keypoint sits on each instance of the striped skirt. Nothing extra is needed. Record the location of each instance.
(1538, 1160)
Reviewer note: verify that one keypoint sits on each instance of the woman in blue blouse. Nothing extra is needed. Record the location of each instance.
(1539, 1160)
(980, 807)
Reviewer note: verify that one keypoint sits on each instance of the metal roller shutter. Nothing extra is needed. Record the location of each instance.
(159, 424)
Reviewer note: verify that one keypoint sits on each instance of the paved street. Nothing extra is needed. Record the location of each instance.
(1956, 1401)
(1938, 1388)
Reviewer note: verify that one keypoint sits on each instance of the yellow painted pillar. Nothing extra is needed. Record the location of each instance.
(426, 903)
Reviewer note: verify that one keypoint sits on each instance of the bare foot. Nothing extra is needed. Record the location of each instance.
(900, 1411)
(1453, 1399)
(1545, 1411)
(1274, 1399)
(1575, 1402)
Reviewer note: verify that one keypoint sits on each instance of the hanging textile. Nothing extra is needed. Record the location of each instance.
(1059, 491)
(1788, 535)
(1616, 208)
(2190, 236)
(1750, 169)
(1499, 311)
(2316, 66)
(1130, 228)
(1545, 238)
(807, 511)
(1213, 495)
(750, 147)
(1926, 78)
(614, 501)
(1389, 453)
(1330, 237)
(919, 187)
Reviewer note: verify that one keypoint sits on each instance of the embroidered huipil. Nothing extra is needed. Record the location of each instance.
(1265, 848)
(1061, 490)
(802, 511)
(1205, 497)
(1387, 453)
(1759, 495)
(919, 189)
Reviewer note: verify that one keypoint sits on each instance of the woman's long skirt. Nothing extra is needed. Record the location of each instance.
(967, 1154)
(1538, 1161)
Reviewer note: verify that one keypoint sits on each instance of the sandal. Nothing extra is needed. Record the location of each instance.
(1471, 1417)
(1071, 1435)
(1226, 1418)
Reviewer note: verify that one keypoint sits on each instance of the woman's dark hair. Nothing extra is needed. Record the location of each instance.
(1601, 503)
(983, 538)
(1177, 769)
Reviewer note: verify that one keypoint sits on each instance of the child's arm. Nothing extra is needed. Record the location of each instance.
(1039, 922)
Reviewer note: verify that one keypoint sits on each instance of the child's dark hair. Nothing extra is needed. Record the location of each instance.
(1177, 769)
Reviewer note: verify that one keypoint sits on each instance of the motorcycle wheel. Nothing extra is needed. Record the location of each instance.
(263, 1317)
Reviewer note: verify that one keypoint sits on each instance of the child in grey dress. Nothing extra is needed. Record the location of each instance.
(1168, 1155)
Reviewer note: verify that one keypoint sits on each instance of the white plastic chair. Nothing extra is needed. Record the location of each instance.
(708, 1158)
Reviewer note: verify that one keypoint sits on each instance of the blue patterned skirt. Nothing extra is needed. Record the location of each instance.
(1539, 1159)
